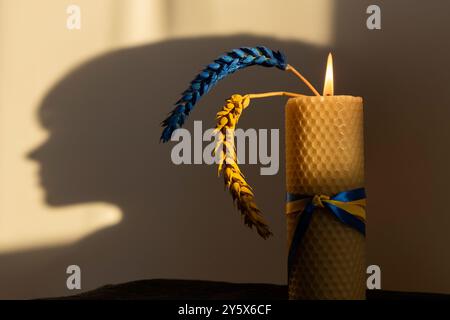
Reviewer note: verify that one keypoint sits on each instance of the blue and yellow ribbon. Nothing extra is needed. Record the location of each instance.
(348, 207)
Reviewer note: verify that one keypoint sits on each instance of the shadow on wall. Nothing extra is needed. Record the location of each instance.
(104, 124)
(104, 117)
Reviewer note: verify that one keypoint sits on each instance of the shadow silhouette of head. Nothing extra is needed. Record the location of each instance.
(100, 119)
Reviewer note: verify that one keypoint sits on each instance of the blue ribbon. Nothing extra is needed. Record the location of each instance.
(340, 214)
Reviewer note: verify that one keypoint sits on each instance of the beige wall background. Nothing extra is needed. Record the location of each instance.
(102, 193)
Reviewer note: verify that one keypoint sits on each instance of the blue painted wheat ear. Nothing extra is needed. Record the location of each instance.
(213, 73)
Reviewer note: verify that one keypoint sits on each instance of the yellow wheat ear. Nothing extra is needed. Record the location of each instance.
(240, 190)
(234, 180)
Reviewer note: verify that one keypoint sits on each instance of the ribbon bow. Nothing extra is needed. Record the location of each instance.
(348, 207)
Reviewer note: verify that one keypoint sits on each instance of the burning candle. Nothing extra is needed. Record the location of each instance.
(324, 157)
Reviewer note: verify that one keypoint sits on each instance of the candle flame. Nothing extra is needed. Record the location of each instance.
(328, 87)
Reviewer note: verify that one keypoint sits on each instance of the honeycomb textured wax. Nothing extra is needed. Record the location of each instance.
(325, 155)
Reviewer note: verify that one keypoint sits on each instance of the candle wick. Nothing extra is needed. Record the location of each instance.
(302, 78)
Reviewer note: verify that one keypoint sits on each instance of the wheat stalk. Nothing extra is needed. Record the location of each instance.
(234, 180)
(221, 67)
(241, 192)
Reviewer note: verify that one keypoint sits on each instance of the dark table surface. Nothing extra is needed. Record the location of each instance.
(161, 289)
